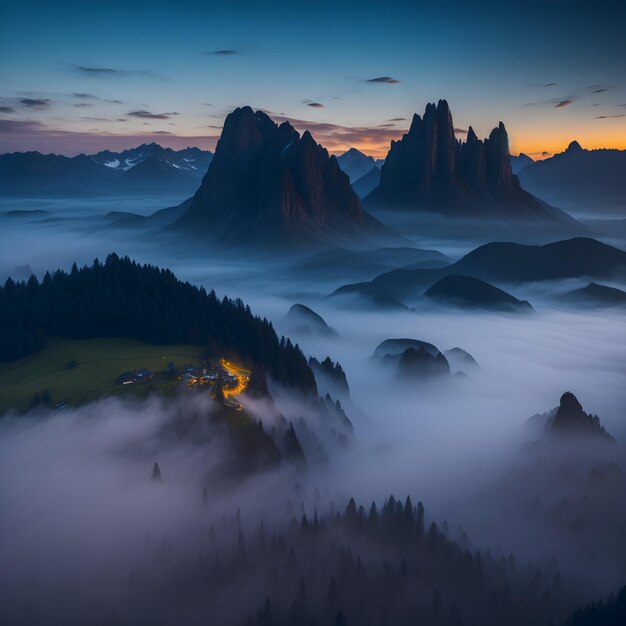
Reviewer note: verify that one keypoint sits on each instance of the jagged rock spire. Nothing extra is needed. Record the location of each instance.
(570, 418)
(429, 169)
(265, 177)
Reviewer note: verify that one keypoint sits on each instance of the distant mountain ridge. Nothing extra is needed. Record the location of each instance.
(148, 168)
(519, 162)
(504, 263)
(269, 185)
(430, 170)
(580, 179)
(356, 164)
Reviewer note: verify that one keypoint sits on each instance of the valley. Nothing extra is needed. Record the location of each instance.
(312, 314)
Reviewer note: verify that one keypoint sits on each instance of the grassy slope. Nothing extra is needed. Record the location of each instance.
(99, 362)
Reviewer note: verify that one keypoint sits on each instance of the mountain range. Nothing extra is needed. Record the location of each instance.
(428, 169)
(585, 181)
(147, 169)
(356, 164)
(502, 262)
(269, 185)
(362, 170)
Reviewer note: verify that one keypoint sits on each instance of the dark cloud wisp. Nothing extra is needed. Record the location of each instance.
(383, 80)
(112, 72)
(143, 114)
(36, 103)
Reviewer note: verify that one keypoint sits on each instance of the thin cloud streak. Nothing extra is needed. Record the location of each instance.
(112, 72)
(143, 114)
(383, 80)
(36, 103)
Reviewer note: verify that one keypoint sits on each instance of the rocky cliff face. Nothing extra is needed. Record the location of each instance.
(266, 181)
(430, 169)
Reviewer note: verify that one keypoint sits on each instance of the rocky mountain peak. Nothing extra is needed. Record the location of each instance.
(574, 146)
(570, 418)
(429, 169)
(266, 178)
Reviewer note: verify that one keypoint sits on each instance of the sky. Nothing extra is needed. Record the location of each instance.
(83, 76)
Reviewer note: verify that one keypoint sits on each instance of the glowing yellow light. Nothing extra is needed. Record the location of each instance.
(240, 374)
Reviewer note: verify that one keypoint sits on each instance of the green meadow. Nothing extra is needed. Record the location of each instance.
(79, 371)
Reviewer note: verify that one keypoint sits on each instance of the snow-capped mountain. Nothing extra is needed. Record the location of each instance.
(146, 169)
(191, 160)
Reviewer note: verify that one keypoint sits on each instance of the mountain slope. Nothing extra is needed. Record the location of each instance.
(268, 185)
(519, 162)
(364, 185)
(429, 170)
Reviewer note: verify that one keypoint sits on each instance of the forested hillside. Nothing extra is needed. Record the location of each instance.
(122, 298)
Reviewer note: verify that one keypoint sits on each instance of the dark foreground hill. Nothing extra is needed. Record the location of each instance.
(121, 298)
(471, 293)
(508, 263)
(269, 186)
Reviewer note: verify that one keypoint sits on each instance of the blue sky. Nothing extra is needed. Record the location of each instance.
(81, 76)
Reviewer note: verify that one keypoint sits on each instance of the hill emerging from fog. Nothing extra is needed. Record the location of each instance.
(589, 181)
(507, 263)
(465, 292)
(595, 294)
(430, 170)
(301, 319)
(147, 169)
(267, 185)
(570, 419)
